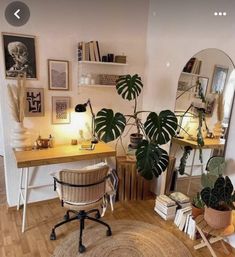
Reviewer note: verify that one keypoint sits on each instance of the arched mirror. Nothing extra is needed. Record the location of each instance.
(203, 107)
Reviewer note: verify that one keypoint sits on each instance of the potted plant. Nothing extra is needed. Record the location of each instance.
(197, 205)
(219, 203)
(156, 130)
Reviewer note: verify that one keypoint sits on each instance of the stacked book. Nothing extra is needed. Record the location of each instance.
(185, 222)
(181, 199)
(165, 207)
(89, 51)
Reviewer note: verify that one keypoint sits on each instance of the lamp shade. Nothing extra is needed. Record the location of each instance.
(80, 108)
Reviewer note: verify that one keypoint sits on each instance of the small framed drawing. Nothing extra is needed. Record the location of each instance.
(19, 55)
(219, 78)
(60, 109)
(204, 83)
(58, 75)
(34, 102)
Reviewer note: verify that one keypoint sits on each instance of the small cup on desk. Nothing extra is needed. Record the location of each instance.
(74, 142)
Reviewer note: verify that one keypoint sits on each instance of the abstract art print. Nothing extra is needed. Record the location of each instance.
(219, 79)
(60, 109)
(58, 75)
(34, 102)
(19, 56)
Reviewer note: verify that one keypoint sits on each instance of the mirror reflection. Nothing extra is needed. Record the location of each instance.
(203, 107)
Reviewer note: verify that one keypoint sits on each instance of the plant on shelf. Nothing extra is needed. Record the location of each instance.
(219, 203)
(157, 129)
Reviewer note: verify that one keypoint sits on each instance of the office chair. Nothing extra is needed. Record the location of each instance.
(82, 192)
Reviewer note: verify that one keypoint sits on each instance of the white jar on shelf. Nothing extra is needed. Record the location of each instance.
(82, 80)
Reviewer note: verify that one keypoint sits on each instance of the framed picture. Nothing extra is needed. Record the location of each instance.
(19, 55)
(204, 83)
(219, 79)
(60, 109)
(58, 75)
(34, 102)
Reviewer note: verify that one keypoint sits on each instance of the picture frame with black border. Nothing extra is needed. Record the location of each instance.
(34, 102)
(219, 78)
(58, 74)
(19, 53)
(61, 109)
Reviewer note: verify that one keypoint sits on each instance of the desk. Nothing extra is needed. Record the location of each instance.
(209, 143)
(56, 155)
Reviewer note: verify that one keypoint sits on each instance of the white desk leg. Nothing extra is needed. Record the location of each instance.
(191, 171)
(20, 188)
(25, 199)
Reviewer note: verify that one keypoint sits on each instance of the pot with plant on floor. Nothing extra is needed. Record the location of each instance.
(151, 159)
(197, 206)
(219, 203)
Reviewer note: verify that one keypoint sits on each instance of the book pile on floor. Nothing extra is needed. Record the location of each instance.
(165, 207)
(181, 199)
(185, 222)
(89, 51)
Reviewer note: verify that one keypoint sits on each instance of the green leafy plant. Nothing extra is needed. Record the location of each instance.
(183, 160)
(215, 168)
(198, 202)
(221, 196)
(157, 130)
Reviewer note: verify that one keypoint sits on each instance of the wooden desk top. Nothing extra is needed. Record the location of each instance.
(61, 154)
(210, 143)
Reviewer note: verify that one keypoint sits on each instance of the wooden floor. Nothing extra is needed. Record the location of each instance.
(41, 217)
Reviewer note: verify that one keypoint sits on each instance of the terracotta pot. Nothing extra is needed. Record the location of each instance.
(135, 139)
(218, 219)
(196, 211)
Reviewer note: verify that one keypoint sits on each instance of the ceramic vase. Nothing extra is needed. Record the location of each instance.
(20, 137)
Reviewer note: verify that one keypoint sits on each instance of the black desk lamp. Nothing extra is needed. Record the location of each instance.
(82, 108)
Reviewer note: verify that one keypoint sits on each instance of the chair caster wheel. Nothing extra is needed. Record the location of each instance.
(53, 235)
(82, 248)
(109, 233)
(97, 215)
(66, 217)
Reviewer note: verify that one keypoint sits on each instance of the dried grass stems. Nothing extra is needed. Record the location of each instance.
(16, 95)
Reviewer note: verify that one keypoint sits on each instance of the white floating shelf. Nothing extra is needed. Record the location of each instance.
(97, 86)
(191, 74)
(103, 63)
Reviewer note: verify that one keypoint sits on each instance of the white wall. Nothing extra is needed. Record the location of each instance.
(176, 31)
(1, 135)
(119, 26)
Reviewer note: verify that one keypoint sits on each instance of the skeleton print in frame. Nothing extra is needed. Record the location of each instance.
(34, 102)
(19, 55)
(60, 109)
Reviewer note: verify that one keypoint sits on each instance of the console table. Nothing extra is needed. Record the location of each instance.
(56, 155)
(209, 143)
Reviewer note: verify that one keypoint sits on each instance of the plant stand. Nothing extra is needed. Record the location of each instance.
(131, 185)
(211, 236)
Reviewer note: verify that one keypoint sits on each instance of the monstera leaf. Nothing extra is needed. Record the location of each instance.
(160, 128)
(151, 159)
(109, 126)
(210, 197)
(224, 188)
(129, 87)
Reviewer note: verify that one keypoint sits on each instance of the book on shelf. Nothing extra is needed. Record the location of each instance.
(96, 51)
(189, 65)
(165, 207)
(91, 51)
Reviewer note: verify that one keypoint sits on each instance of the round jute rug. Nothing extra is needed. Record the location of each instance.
(129, 239)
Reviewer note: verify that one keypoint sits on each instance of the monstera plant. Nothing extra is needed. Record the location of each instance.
(156, 130)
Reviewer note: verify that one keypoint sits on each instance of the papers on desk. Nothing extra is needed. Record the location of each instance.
(87, 147)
